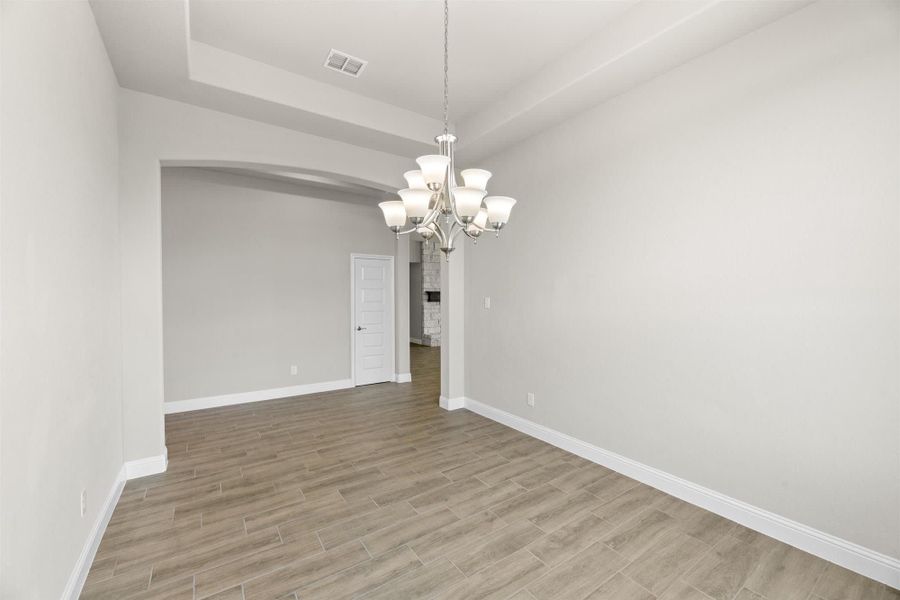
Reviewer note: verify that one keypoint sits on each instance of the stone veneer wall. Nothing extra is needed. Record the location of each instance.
(431, 281)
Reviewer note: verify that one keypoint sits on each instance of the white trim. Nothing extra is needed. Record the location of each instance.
(416, 341)
(391, 293)
(83, 565)
(130, 470)
(403, 377)
(453, 403)
(147, 466)
(179, 406)
(854, 557)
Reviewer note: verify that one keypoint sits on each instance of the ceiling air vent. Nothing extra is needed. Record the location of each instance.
(346, 64)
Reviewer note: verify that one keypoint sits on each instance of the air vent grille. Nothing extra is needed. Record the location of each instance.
(344, 63)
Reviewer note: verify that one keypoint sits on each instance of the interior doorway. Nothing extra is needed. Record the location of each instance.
(372, 323)
(415, 299)
(424, 293)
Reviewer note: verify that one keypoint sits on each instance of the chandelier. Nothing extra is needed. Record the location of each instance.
(434, 204)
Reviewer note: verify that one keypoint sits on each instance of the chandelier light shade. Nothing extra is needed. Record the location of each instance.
(438, 208)
(415, 180)
(416, 204)
(478, 224)
(476, 178)
(434, 170)
(468, 202)
(498, 209)
(481, 219)
(394, 214)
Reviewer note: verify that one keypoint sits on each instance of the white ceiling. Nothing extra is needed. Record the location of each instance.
(494, 45)
(517, 66)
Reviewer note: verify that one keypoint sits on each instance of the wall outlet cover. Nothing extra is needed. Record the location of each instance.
(530, 399)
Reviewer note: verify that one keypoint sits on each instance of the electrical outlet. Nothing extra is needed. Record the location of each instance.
(83, 502)
(294, 370)
(487, 302)
(529, 399)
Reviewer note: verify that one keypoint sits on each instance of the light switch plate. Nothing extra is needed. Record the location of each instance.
(487, 302)
(530, 399)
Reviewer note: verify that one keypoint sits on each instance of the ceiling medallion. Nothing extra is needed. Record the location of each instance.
(433, 192)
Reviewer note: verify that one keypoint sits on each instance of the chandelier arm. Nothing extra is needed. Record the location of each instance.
(455, 214)
(438, 201)
(457, 219)
(433, 213)
(442, 237)
(446, 196)
(455, 232)
(431, 218)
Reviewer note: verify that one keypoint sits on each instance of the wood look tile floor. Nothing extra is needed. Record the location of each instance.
(377, 493)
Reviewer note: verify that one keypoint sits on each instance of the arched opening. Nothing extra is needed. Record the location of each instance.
(185, 363)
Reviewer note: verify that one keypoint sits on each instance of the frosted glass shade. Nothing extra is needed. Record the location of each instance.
(468, 201)
(414, 180)
(476, 178)
(394, 213)
(498, 209)
(481, 218)
(415, 202)
(434, 169)
(476, 227)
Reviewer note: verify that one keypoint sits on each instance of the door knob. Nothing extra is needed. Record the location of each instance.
(358, 328)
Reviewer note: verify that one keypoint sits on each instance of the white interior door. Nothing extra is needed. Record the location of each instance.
(373, 315)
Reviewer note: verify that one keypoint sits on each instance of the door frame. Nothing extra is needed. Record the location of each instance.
(391, 311)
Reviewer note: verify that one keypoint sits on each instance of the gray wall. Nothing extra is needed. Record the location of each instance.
(703, 274)
(255, 279)
(153, 130)
(60, 351)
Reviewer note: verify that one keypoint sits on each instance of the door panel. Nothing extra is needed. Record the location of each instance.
(373, 320)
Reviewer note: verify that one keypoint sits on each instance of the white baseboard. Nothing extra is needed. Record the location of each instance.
(864, 561)
(179, 406)
(403, 377)
(86, 558)
(453, 403)
(415, 341)
(146, 466)
(130, 470)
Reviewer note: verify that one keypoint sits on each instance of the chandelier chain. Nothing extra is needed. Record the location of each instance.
(446, 67)
(434, 204)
